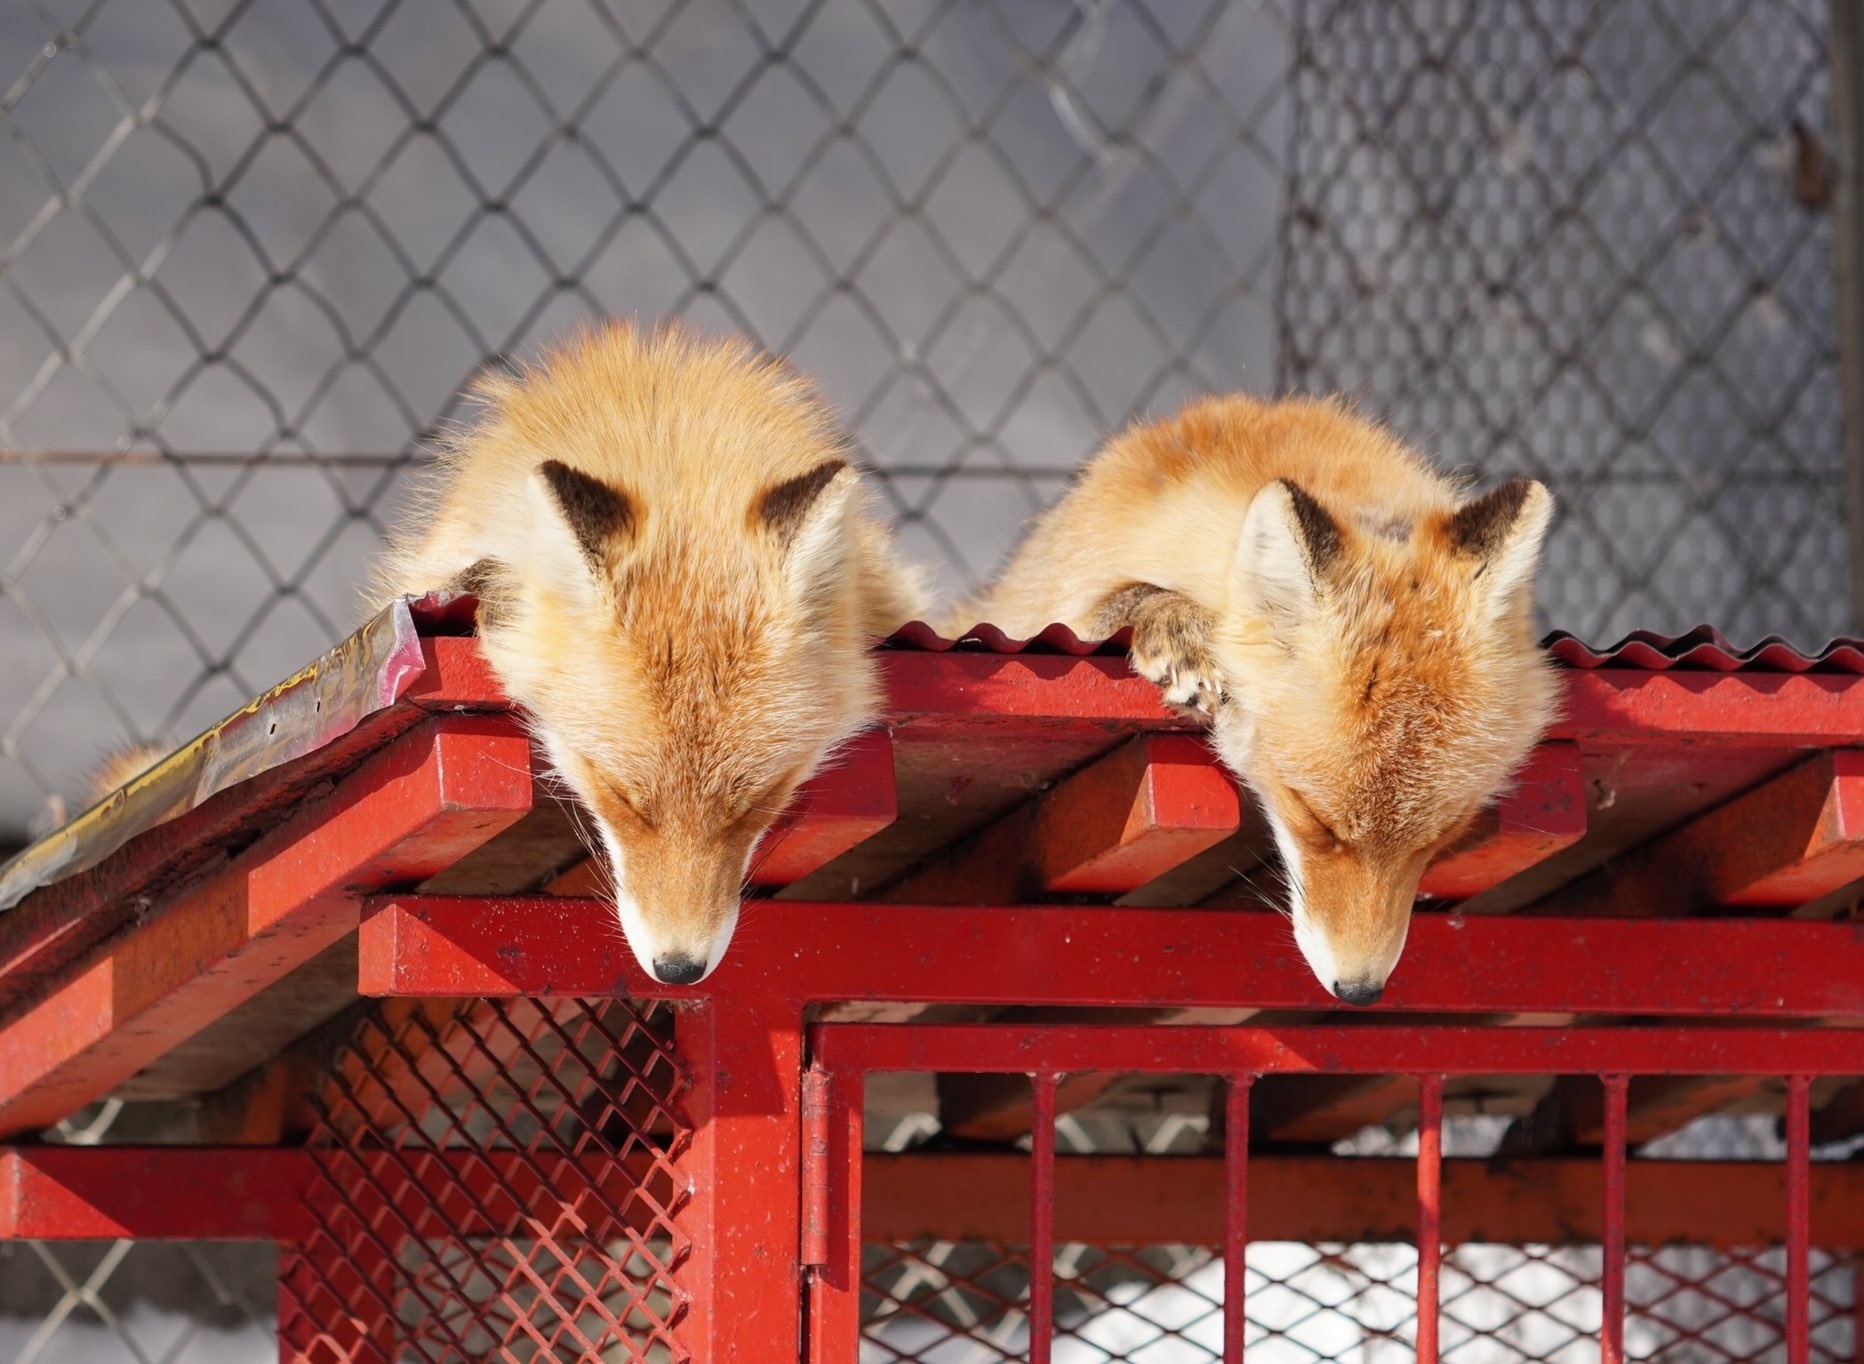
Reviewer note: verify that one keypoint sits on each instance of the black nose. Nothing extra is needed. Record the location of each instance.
(1361, 993)
(686, 970)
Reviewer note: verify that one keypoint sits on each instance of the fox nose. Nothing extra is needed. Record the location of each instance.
(1358, 992)
(679, 970)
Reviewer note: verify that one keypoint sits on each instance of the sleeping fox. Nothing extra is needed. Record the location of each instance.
(1360, 635)
(677, 577)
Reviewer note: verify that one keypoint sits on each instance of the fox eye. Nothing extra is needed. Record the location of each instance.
(633, 803)
(1321, 831)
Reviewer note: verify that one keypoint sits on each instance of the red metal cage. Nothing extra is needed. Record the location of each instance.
(1009, 1059)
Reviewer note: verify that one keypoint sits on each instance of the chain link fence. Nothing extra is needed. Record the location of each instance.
(250, 249)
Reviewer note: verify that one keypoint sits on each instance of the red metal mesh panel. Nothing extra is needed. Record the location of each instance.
(497, 1182)
(936, 1302)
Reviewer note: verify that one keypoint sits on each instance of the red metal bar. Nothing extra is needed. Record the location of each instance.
(834, 1328)
(1542, 1200)
(1429, 1211)
(100, 1193)
(1612, 1287)
(1198, 1050)
(813, 1249)
(1543, 811)
(1102, 955)
(154, 1193)
(743, 1165)
(1236, 1214)
(1798, 1219)
(259, 1193)
(415, 808)
(1042, 1220)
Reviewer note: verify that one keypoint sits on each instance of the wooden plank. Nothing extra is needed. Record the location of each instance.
(1793, 839)
(1542, 812)
(412, 809)
(1122, 821)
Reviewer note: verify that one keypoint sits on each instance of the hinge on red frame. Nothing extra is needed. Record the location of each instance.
(813, 1250)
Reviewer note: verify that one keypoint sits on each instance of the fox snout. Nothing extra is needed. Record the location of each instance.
(678, 904)
(1350, 923)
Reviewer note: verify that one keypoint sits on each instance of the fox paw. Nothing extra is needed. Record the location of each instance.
(1171, 645)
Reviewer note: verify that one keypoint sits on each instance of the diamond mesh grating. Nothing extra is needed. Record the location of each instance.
(945, 1303)
(495, 1183)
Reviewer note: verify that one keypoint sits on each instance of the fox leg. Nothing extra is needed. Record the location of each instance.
(1171, 642)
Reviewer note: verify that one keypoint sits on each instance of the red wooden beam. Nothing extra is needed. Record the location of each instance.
(1137, 958)
(839, 807)
(1543, 812)
(408, 812)
(1789, 841)
(1125, 819)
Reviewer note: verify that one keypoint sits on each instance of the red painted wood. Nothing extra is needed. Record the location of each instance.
(414, 808)
(1543, 812)
(1793, 839)
(1125, 819)
(1128, 957)
(845, 804)
(1149, 806)
(1809, 857)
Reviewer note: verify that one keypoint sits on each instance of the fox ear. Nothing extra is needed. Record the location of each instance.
(808, 516)
(1288, 544)
(601, 517)
(1502, 530)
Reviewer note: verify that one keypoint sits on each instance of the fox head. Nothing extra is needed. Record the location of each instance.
(1385, 685)
(687, 636)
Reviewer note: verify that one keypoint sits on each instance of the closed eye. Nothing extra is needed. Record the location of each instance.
(1317, 825)
(634, 807)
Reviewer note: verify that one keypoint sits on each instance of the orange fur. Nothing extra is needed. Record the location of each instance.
(1367, 650)
(679, 580)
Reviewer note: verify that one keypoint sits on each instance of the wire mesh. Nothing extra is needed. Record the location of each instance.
(495, 1183)
(933, 1302)
(249, 252)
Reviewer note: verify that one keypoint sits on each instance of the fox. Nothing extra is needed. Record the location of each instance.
(1355, 629)
(679, 575)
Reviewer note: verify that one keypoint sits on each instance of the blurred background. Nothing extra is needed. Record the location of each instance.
(250, 251)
